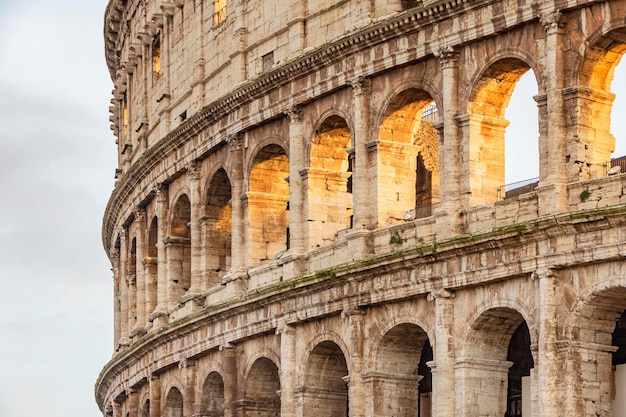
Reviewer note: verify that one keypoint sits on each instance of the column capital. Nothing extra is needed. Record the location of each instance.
(361, 85)
(234, 141)
(544, 273)
(442, 293)
(160, 189)
(123, 233)
(140, 214)
(186, 363)
(193, 170)
(448, 57)
(353, 311)
(284, 328)
(552, 21)
(295, 114)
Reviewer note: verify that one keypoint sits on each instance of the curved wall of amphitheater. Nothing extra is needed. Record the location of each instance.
(309, 216)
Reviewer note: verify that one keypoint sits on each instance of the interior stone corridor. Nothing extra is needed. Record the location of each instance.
(307, 217)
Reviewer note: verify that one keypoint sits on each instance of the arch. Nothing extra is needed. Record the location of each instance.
(145, 409)
(407, 157)
(173, 403)
(151, 266)
(212, 396)
(218, 226)
(325, 390)
(178, 249)
(401, 383)
(498, 340)
(485, 126)
(594, 99)
(131, 268)
(597, 330)
(328, 181)
(261, 391)
(267, 209)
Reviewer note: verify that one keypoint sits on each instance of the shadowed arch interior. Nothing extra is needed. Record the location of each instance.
(326, 391)
(262, 390)
(212, 400)
(178, 246)
(218, 226)
(173, 403)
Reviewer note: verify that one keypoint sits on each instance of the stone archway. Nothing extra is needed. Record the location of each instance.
(328, 182)
(151, 263)
(173, 403)
(212, 399)
(145, 409)
(407, 157)
(178, 249)
(401, 383)
(262, 390)
(484, 127)
(218, 227)
(267, 205)
(593, 100)
(497, 343)
(325, 390)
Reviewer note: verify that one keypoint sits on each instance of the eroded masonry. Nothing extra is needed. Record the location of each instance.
(310, 216)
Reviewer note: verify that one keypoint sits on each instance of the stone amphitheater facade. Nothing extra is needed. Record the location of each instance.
(306, 219)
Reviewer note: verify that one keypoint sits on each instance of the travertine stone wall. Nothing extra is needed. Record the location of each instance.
(295, 231)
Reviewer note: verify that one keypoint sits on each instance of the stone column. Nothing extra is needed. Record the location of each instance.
(117, 282)
(189, 369)
(140, 227)
(365, 210)
(548, 374)
(297, 217)
(452, 182)
(552, 190)
(160, 313)
(481, 387)
(165, 97)
(356, 384)
(231, 379)
(235, 143)
(155, 396)
(133, 403)
(443, 367)
(123, 289)
(288, 362)
(117, 409)
(195, 191)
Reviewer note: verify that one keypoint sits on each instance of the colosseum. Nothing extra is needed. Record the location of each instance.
(310, 215)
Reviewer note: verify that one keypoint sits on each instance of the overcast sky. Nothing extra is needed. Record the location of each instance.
(57, 158)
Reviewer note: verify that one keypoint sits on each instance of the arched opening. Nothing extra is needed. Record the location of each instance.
(401, 384)
(178, 247)
(261, 394)
(212, 401)
(521, 145)
(518, 391)
(151, 266)
(618, 123)
(325, 392)
(218, 227)
(145, 410)
(328, 182)
(267, 198)
(600, 320)
(595, 127)
(496, 361)
(485, 127)
(407, 154)
(132, 283)
(173, 404)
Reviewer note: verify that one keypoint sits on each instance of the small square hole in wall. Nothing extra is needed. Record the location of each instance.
(268, 61)
(183, 116)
